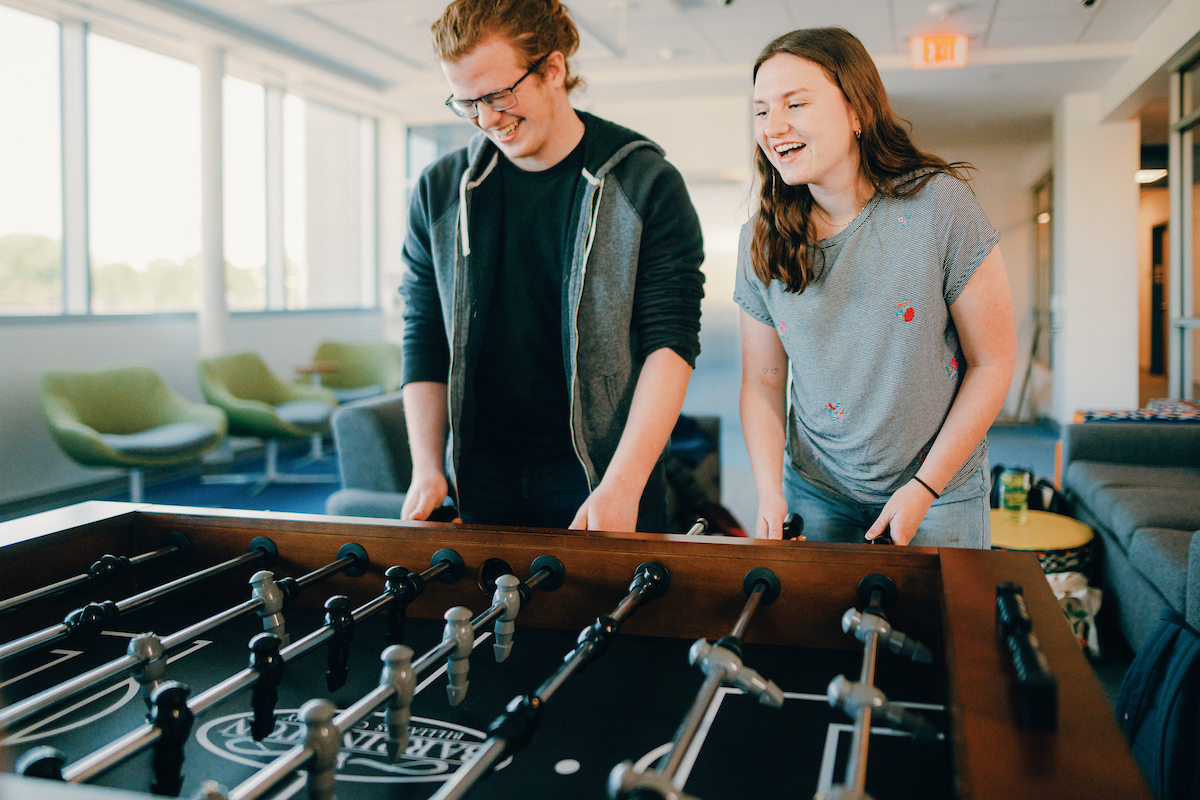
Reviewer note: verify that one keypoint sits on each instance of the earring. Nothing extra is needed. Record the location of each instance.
(857, 134)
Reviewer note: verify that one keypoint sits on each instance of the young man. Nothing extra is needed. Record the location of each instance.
(552, 297)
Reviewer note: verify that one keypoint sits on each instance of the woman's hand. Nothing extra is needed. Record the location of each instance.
(904, 511)
(769, 523)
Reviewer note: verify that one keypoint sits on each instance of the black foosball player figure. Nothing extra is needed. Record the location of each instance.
(339, 618)
(169, 713)
(269, 664)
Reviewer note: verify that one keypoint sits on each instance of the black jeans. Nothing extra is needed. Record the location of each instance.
(496, 491)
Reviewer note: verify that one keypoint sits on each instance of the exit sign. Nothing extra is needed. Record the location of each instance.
(938, 51)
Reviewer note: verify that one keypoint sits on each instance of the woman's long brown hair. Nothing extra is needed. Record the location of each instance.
(783, 243)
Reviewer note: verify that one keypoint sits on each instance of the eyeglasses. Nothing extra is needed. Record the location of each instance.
(500, 100)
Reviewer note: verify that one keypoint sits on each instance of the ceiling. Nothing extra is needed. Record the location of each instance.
(1023, 54)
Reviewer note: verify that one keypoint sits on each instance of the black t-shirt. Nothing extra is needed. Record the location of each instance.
(521, 400)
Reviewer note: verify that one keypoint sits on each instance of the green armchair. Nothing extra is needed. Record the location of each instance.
(126, 417)
(259, 404)
(364, 369)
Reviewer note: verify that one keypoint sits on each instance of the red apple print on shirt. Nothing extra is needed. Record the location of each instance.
(905, 310)
(952, 369)
(782, 326)
(908, 314)
(903, 221)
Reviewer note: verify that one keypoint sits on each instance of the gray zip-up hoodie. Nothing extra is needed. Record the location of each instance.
(636, 250)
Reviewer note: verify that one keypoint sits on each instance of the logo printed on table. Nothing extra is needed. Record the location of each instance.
(436, 749)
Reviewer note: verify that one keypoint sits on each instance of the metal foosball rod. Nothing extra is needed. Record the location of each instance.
(105, 570)
(147, 652)
(397, 687)
(267, 660)
(94, 616)
(862, 699)
(512, 731)
(721, 663)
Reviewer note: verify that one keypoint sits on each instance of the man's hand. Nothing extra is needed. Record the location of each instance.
(425, 493)
(904, 511)
(608, 509)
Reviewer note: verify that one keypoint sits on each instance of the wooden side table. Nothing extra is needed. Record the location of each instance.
(315, 370)
(1061, 544)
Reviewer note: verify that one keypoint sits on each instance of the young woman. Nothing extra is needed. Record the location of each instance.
(872, 273)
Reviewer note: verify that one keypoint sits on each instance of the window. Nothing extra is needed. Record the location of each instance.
(30, 166)
(144, 179)
(245, 195)
(117, 230)
(428, 143)
(1184, 260)
(328, 206)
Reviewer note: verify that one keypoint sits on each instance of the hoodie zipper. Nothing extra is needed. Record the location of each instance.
(465, 185)
(587, 251)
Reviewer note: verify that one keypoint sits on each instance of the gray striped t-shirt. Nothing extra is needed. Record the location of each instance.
(875, 356)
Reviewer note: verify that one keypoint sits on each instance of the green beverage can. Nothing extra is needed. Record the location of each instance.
(1014, 495)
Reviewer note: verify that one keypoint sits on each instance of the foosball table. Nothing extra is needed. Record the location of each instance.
(222, 655)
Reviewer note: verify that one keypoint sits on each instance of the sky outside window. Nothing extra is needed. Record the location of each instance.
(245, 194)
(30, 171)
(144, 179)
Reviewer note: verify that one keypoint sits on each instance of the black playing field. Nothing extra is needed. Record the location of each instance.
(626, 705)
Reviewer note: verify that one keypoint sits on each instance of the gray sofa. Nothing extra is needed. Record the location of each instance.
(376, 466)
(1137, 484)
(373, 455)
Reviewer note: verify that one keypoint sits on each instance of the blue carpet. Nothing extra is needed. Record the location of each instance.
(300, 498)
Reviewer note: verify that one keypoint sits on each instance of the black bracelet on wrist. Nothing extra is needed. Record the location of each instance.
(936, 496)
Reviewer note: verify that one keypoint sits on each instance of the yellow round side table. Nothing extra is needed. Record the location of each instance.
(1062, 544)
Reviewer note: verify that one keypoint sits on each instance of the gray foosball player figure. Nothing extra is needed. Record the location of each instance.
(323, 737)
(458, 629)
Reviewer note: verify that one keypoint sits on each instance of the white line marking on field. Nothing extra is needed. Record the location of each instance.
(442, 669)
(131, 689)
(66, 655)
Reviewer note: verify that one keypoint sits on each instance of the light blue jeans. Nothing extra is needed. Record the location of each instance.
(959, 518)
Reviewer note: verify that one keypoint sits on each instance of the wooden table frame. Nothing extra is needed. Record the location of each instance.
(946, 595)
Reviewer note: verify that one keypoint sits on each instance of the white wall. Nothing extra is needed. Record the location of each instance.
(1095, 306)
(1007, 167)
(714, 157)
(30, 461)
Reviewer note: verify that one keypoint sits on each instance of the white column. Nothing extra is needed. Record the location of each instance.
(214, 313)
(1095, 302)
(75, 259)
